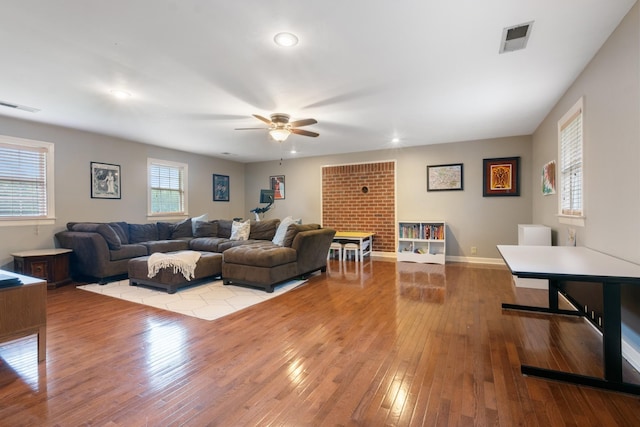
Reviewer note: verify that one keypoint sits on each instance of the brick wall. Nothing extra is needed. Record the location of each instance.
(346, 207)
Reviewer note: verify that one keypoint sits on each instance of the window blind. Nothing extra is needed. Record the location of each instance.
(571, 165)
(23, 181)
(167, 189)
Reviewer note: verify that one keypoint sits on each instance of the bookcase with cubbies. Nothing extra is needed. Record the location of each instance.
(422, 241)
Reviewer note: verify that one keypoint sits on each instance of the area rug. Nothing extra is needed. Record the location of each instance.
(208, 301)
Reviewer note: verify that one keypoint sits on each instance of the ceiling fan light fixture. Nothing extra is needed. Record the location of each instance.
(285, 39)
(280, 134)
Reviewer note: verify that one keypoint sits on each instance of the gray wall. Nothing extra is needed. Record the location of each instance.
(74, 150)
(473, 220)
(610, 85)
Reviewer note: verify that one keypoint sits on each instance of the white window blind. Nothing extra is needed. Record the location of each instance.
(571, 164)
(167, 183)
(23, 181)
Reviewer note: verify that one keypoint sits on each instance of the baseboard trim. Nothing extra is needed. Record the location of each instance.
(476, 260)
(631, 354)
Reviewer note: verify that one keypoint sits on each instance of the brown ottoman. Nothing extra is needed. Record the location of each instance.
(209, 265)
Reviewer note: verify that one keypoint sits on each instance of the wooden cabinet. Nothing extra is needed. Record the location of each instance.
(51, 265)
(422, 241)
(23, 311)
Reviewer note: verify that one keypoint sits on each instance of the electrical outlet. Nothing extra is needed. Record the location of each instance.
(474, 250)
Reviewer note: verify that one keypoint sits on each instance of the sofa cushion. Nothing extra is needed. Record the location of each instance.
(195, 220)
(105, 230)
(122, 230)
(227, 243)
(166, 246)
(224, 228)
(294, 229)
(206, 229)
(263, 230)
(240, 230)
(182, 229)
(164, 230)
(280, 234)
(208, 244)
(259, 255)
(128, 251)
(142, 232)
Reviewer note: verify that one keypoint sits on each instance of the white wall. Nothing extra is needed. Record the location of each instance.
(75, 150)
(610, 85)
(473, 220)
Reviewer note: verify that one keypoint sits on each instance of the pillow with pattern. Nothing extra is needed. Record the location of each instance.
(240, 230)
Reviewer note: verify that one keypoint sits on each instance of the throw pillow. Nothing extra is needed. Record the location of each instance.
(121, 229)
(195, 220)
(182, 229)
(240, 230)
(206, 229)
(164, 230)
(142, 233)
(278, 239)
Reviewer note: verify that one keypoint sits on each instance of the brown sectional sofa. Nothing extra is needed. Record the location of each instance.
(101, 251)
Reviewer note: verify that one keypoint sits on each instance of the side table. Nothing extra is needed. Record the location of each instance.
(23, 311)
(51, 265)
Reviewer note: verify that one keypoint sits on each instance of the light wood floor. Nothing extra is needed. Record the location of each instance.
(391, 344)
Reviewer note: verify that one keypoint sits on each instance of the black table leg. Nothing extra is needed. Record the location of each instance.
(553, 304)
(611, 332)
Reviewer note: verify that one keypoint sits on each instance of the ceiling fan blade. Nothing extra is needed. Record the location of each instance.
(304, 132)
(303, 122)
(264, 119)
(251, 129)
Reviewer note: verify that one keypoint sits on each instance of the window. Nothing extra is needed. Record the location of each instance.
(26, 182)
(167, 188)
(571, 162)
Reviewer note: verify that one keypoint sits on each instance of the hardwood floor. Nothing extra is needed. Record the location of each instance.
(391, 344)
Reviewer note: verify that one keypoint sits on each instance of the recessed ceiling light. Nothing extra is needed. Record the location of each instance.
(293, 151)
(286, 39)
(395, 140)
(120, 94)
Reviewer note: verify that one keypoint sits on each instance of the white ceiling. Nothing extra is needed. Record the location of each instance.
(368, 70)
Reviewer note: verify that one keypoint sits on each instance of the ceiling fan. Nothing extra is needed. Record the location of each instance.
(280, 128)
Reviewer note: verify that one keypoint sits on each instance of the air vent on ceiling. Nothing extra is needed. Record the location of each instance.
(516, 37)
(18, 107)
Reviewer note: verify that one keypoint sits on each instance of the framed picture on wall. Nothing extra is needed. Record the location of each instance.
(444, 177)
(220, 188)
(501, 177)
(105, 181)
(277, 185)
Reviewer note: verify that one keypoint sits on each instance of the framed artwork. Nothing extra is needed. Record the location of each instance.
(549, 178)
(105, 181)
(276, 183)
(444, 177)
(220, 188)
(501, 177)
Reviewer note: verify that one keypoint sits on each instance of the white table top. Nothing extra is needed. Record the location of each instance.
(570, 261)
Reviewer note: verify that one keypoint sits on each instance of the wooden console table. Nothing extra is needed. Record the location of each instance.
(23, 311)
(51, 265)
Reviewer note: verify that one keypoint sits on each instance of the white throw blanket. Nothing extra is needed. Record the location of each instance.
(183, 262)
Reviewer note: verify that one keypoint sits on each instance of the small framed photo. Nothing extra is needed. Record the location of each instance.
(105, 181)
(277, 185)
(220, 188)
(444, 177)
(501, 177)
